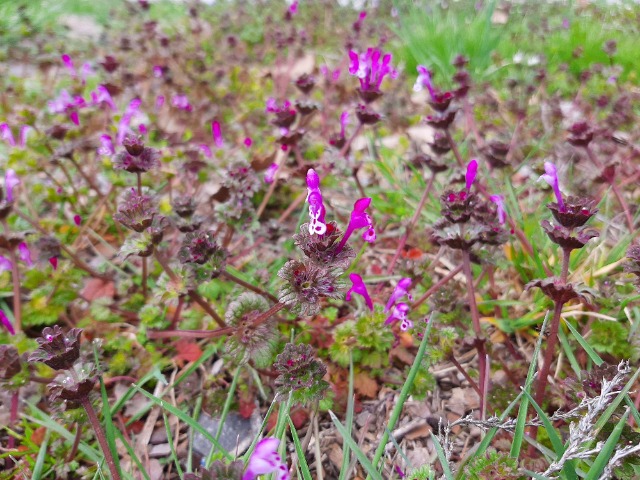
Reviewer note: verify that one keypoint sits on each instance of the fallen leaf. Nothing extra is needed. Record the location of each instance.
(188, 351)
(246, 408)
(38, 434)
(95, 288)
(299, 417)
(365, 385)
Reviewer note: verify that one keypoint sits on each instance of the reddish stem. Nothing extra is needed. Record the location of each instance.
(434, 288)
(102, 440)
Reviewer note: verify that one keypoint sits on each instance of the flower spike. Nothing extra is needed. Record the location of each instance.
(359, 287)
(317, 209)
(472, 171)
(551, 177)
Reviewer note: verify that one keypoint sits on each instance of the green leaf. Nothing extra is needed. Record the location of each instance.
(306, 474)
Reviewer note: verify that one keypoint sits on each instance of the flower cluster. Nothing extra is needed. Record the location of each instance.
(300, 373)
(203, 255)
(239, 186)
(400, 310)
(136, 158)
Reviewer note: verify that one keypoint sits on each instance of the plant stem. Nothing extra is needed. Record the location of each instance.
(144, 259)
(475, 318)
(248, 286)
(464, 373)
(345, 149)
(434, 288)
(454, 148)
(412, 223)
(76, 443)
(97, 428)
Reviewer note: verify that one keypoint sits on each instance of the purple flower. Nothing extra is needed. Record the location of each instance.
(359, 219)
(124, 126)
(472, 171)
(357, 25)
(565, 23)
(7, 324)
(359, 287)
(6, 135)
(400, 313)
(400, 291)
(106, 145)
(370, 69)
(11, 181)
(77, 219)
(217, 134)
(158, 71)
(270, 174)
(181, 102)
(74, 117)
(551, 177)
(85, 71)
(344, 121)
(248, 142)
(206, 151)
(317, 209)
(5, 264)
(68, 63)
(142, 128)
(265, 459)
(502, 213)
(424, 80)
(25, 130)
(54, 262)
(293, 8)
(102, 95)
(159, 102)
(25, 253)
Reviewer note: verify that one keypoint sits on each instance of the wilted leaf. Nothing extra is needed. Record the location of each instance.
(365, 385)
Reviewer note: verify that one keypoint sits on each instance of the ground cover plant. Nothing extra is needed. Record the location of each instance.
(305, 240)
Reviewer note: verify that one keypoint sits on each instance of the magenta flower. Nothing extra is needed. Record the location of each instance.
(68, 63)
(331, 76)
(77, 219)
(293, 8)
(359, 287)
(317, 209)
(7, 324)
(551, 177)
(142, 128)
(159, 102)
(7, 135)
(158, 71)
(270, 174)
(357, 25)
(359, 219)
(5, 264)
(206, 151)
(248, 142)
(25, 130)
(85, 71)
(75, 117)
(130, 112)
(265, 459)
(106, 145)
(101, 95)
(11, 181)
(370, 69)
(400, 313)
(54, 262)
(424, 80)
(217, 134)
(400, 291)
(181, 102)
(25, 253)
(344, 121)
(65, 103)
(472, 171)
(502, 213)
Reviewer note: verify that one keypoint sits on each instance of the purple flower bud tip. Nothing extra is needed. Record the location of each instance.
(77, 219)
(25, 253)
(217, 134)
(11, 181)
(551, 177)
(270, 174)
(313, 180)
(472, 171)
(7, 324)
(502, 213)
(359, 287)
(248, 142)
(73, 116)
(54, 262)
(265, 459)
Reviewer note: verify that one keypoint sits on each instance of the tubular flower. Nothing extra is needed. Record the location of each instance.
(270, 174)
(400, 291)
(265, 459)
(371, 67)
(25, 253)
(217, 134)
(551, 177)
(400, 313)
(11, 181)
(102, 95)
(472, 171)
(439, 100)
(106, 145)
(502, 213)
(359, 219)
(317, 210)
(7, 324)
(181, 102)
(5, 264)
(359, 287)
(6, 135)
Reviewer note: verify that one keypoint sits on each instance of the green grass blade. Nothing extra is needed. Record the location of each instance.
(225, 411)
(109, 427)
(518, 434)
(446, 470)
(607, 450)
(42, 455)
(346, 455)
(186, 419)
(362, 458)
(568, 351)
(133, 455)
(174, 455)
(595, 358)
(535, 475)
(302, 461)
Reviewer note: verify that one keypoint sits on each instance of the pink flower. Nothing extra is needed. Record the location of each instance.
(400, 291)
(158, 71)
(102, 95)
(270, 174)
(159, 102)
(85, 71)
(181, 102)
(77, 219)
(11, 181)
(25, 253)
(206, 151)
(5, 264)
(502, 213)
(359, 287)
(317, 209)
(142, 128)
(293, 8)
(25, 130)
(359, 219)
(248, 142)
(74, 117)
(424, 80)
(7, 324)
(472, 171)
(106, 145)
(54, 262)
(370, 69)
(130, 112)
(551, 177)
(217, 134)
(400, 313)
(7, 135)
(344, 121)
(265, 459)
(68, 63)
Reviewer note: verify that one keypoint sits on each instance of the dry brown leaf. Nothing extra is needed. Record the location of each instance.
(188, 351)
(95, 288)
(365, 385)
